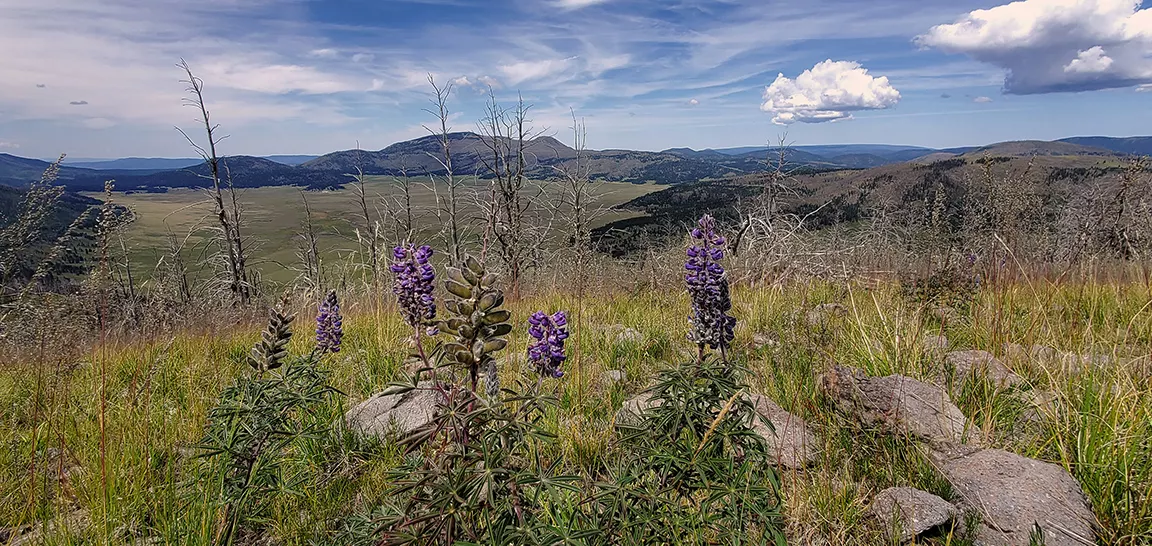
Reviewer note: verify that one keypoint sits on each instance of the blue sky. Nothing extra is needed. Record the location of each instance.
(98, 79)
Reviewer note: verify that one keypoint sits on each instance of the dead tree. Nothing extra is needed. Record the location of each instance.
(230, 237)
(447, 212)
(507, 132)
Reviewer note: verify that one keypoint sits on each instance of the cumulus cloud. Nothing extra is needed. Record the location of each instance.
(693, 102)
(1048, 46)
(982, 100)
(829, 91)
(78, 102)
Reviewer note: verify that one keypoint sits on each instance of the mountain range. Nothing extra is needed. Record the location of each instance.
(545, 157)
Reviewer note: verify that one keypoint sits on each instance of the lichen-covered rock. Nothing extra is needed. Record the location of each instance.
(900, 404)
(911, 511)
(385, 414)
(790, 441)
(975, 363)
(1011, 493)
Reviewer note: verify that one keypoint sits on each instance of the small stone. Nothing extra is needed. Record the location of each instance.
(627, 335)
(823, 313)
(979, 364)
(385, 414)
(934, 343)
(1011, 493)
(612, 377)
(900, 404)
(790, 442)
(631, 412)
(910, 510)
(761, 340)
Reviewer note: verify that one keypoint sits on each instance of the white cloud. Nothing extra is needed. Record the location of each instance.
(982, 100)
(8, 144)
(829, 91)
(1048, 46)
(577, 4)
(532, 70)
(324, 53)
(489, 81)
(363, 58)
(268, 76)
(693, 102)
(1145, 88)
(1090, 60)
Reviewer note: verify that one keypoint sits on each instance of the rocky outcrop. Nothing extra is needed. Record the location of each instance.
(386, 414)
(899, 404)
(790, 441)
(910, 511)
(1011, 493)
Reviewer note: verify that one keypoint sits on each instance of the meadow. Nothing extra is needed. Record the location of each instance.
(141, 406)
(275, 218)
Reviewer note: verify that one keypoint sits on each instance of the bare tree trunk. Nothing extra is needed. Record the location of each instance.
(229, 234)
(453, 230)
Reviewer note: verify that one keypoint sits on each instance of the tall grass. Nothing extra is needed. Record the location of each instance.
(1094, 419)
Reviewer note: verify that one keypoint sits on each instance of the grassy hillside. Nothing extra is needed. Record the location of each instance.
(1094, 422)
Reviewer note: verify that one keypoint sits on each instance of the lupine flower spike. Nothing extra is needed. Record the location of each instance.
(708, 288)
(329, 325)
(414, 284)
(270, 351)
(546, 353)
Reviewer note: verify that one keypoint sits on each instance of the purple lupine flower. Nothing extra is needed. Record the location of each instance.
(708, 287)
(329, 325)
(546, 353)
(413, 284)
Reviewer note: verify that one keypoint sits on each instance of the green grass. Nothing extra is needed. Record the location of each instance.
(157, 395)
(274, 218)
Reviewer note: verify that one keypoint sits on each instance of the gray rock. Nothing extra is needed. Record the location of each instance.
(910, 510)
(633, 408)
(1046, 358)
(614, 376)
(761, 340)
(385, 414)
(934, 343)
(790, 441)
(627, 335)
(900, 404)
(72, 523)
(1011, 492)
(979, 364)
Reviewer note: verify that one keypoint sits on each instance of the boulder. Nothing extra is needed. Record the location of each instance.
(981, 364)
(900, 404)
(1011, 493)
(384, 414)
(633, 408)
(1046, 358)
(790, 441)
(911, 511)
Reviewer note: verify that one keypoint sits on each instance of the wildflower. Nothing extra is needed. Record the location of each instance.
(708, 288)
(329, 325)
(269, 353)
(414, 283)
(546, 353)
